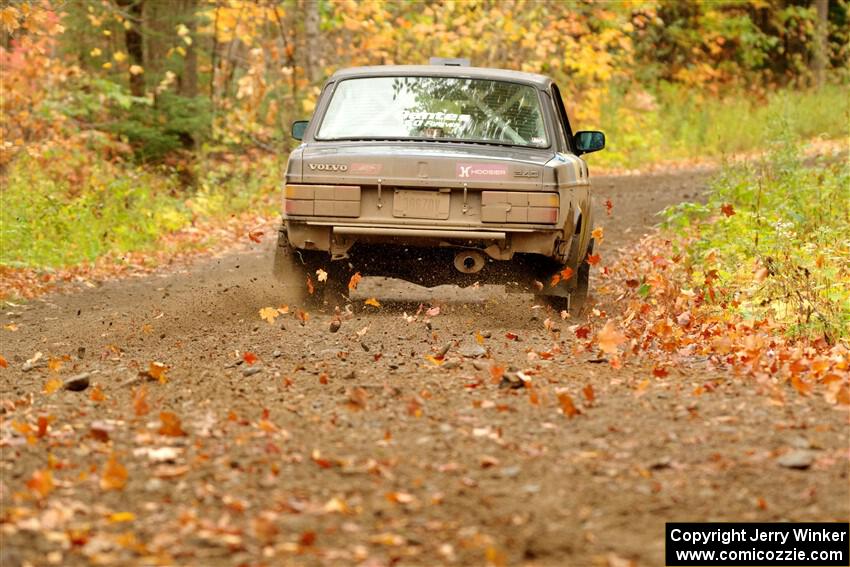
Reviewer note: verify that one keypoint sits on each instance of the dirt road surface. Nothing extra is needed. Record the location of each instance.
(352, 448)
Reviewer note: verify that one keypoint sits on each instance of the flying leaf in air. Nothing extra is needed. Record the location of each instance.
(355, 279)
(609, 338)
(269, 314)
(598, 234)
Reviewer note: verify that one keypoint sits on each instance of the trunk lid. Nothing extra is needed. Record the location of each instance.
(422, 164)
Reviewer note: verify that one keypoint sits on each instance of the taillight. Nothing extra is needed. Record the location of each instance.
(322, 200)
(519, 207)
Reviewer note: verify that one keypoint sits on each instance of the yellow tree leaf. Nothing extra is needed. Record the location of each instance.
(598, 234)
(373, 302)
(269, 314)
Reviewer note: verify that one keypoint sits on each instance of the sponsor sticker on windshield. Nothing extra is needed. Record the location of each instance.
(480, 170)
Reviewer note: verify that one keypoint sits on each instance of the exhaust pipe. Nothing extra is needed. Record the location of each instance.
(469, 261)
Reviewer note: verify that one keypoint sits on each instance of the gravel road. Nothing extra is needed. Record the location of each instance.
(352, 448)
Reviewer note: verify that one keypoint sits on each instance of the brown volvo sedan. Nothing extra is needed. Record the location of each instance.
(437, 174)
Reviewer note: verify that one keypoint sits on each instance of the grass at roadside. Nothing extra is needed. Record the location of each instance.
(681, 125)
(772, 242)
(70, 207)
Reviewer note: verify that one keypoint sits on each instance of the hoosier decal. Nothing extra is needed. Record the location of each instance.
(480, 170)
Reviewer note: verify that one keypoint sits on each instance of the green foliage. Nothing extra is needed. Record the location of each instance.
(51, 220)
(70, 207)
(781, 243)
(681, 124)
(153, 126)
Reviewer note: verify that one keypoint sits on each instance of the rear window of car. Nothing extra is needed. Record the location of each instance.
(435, 108)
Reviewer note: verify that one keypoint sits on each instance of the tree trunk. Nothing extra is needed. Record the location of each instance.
(134, 42)
(311, 31)
(189, 76)
(819, 56)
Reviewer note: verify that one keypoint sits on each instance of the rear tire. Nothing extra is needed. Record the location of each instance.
(575, 300)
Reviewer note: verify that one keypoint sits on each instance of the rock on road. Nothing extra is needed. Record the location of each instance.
(351, 447)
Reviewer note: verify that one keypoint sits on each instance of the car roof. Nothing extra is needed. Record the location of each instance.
(539, 81)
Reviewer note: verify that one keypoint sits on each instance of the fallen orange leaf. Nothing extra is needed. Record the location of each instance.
(43, 422)
(140, 401)
(114, 474)
(41, 483)
(593, 259)
(373, 302)
(52, 385)
(567, 406)
(170, 425)
(802, 387)
(157, 371)
(249, 357)
(96, 394)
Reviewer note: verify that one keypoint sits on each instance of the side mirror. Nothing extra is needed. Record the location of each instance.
(298, 129)
(588, 141)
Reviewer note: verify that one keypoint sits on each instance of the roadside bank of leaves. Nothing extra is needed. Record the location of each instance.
(757, 281)
(656, 311)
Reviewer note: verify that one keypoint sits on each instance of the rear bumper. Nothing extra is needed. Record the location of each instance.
(414, 232)
(500, 244)
(335, 217)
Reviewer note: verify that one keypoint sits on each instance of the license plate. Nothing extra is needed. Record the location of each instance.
(421, 204)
